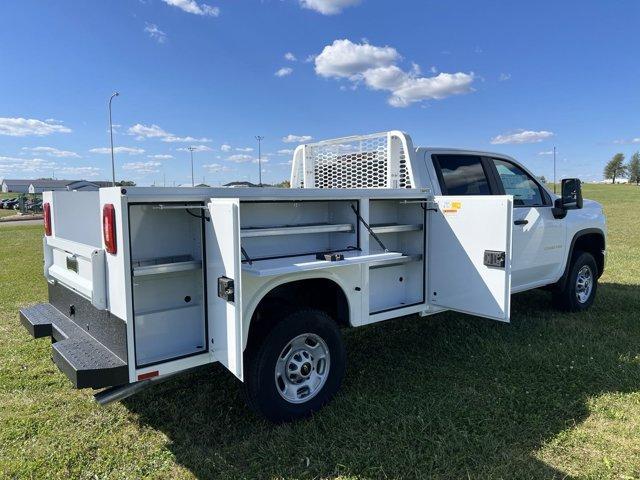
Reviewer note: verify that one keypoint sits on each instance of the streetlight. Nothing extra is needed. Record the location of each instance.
(259, 138)
(554, 169)
(113, 162)
(191, 149)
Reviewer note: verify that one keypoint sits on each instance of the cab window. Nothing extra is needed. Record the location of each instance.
(462, 175)
(515, 181)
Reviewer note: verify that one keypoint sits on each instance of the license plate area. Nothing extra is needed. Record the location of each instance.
(72, 263)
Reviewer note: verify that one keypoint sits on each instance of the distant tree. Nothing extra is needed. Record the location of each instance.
(615, 168)
(126, 183)
(283, 184)
(542, 179)
(634, 169)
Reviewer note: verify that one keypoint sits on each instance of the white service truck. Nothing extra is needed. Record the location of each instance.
(148, 282)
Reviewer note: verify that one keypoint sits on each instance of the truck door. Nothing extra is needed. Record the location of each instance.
(224, 283)
(538, 237)
(469, 248)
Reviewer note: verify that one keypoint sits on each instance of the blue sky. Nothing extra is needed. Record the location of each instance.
(512, 77)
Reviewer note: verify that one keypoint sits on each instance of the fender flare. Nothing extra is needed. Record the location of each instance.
(580, 233)
(280, 281)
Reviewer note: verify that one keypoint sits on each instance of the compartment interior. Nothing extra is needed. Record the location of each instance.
(168, 282)
(288, 229)
(397, 283)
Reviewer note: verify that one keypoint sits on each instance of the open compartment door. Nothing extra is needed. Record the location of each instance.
(470, 255)
(224, 283)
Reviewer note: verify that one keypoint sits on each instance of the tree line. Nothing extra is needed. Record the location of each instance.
(616, 168)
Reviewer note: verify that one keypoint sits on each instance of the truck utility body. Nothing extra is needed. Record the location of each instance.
(148, 282)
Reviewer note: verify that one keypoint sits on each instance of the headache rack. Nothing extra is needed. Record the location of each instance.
(379, 160)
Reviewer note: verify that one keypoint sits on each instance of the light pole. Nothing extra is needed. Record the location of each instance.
(554, 169)
(113, 162)
(259, 138)
(191, 149)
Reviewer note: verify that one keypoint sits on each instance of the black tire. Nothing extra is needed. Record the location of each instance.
(261, 385)
(567, 298)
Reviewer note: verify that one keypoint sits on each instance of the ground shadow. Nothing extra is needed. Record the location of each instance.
(447, 396)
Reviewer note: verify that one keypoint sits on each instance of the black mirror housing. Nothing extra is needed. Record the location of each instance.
(571, 193)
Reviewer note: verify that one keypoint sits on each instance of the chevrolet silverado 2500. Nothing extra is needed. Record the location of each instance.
(147, 282)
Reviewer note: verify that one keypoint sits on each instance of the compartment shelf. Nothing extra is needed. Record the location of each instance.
(251, 232)
(395, 261)
(161, 266)
(394, 228)
(281, 266)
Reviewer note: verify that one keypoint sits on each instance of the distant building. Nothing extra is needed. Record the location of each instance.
(17, 186)
(239, 184)
(48, 185)
(618, 180)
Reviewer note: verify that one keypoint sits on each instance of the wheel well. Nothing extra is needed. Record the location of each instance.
(594, 244)
(317, 293)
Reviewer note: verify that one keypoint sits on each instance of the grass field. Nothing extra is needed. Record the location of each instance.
(549, 396)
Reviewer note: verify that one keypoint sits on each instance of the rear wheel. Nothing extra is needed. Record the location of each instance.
(298, 367)
(580, 288)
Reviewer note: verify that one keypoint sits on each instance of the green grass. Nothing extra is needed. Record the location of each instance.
(449, 396)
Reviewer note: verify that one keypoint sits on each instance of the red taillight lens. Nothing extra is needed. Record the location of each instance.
(46, 208)
(109, 228)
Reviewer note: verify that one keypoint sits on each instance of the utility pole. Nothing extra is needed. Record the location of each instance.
(259, 138)
(113, 162)
(554, 169)
(191, 149)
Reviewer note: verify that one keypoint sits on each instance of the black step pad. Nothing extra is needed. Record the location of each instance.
(82, 358)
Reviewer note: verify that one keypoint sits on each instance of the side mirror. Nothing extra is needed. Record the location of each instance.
(571, 193)
(570, 197)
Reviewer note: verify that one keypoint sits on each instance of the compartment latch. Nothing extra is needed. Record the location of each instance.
(226, 289)
(494, 258)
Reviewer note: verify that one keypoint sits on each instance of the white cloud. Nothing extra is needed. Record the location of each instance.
(216, 167)
(344, 59)
(142, 167)
(283, 72)
(546, 152)
(128, 150)
(328, 7)
(154, 131)
(191, 6)
(290, 57)
(22, 127)
(296, 138)
(240, 158)
(246, 149)
(376, 67)
(161, 156)
(225, 147)
(504, 77)
(155, 33)
(197, 148)
(13, 165)
(79, 171)
(622, 141)
(285, 151)
(522, 136)
(53, 152)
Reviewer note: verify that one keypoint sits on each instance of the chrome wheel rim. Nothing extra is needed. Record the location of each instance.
(584, 284)
(302, 368)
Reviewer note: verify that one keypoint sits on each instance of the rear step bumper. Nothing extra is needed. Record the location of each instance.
(84, 360)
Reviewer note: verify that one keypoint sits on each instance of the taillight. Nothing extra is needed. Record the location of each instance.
(46, 208)
(109, 228)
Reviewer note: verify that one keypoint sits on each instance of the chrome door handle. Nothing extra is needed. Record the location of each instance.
(521, 222)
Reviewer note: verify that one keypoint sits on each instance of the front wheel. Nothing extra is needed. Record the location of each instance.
(580, 288)
(298, 367)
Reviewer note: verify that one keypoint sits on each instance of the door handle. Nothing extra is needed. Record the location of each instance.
(521, 222)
